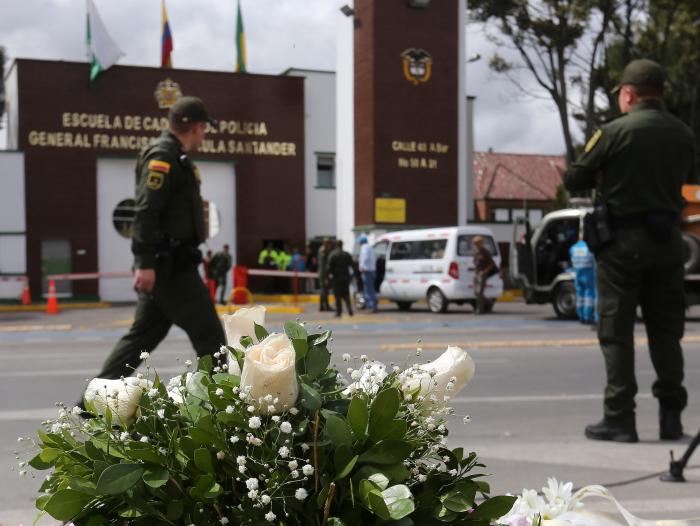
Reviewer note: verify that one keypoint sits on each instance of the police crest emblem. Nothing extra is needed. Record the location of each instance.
(417, 65)
(167, 92)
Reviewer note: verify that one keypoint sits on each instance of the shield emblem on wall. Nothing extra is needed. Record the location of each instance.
(417, 65)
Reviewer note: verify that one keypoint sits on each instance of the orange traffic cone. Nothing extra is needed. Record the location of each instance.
(26, 297)
(52, 302)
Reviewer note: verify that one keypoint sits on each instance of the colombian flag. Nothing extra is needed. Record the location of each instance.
(166, 41)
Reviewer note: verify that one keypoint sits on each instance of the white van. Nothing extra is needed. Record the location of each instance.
(435, 264)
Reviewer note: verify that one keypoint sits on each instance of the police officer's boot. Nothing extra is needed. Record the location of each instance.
(622, 431)
(670, 426)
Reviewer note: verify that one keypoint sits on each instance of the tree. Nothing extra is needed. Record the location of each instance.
(547, 36)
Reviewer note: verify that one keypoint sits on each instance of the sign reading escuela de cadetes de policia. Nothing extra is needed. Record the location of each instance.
(64, 125)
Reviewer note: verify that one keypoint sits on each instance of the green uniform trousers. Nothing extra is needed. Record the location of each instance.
(634, 270)
(182, 300)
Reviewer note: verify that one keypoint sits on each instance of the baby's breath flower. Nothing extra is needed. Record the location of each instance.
(276, 418)
(467, 419)
(307, 470)
(144, 439)
(293, 465)
(229, 409)
(250, 409)
(252, 483)
(253, 494)
(234, 439)
(304, 446)
(265, 499)
(254, 422)
(144, 356)
(220, 455)
(295, 474)
(188, 363)
(301, 494)
(283, 451)
(223, 520)
(124, 436)
(269, 516)
(286, 427)
(294, 411)
(219, 391)
(241, 460)
(152, 393)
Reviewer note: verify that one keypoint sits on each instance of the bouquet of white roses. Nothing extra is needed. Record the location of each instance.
(272, 436)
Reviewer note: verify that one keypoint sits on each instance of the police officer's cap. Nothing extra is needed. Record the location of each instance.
(642, 72)
(189, 109)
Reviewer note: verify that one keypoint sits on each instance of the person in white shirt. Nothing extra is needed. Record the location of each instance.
(368, 269)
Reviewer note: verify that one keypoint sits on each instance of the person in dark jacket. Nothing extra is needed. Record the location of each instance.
(340, 270)
(168, 229)
(638, 163)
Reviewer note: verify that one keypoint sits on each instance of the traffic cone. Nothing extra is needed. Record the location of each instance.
(26, 296)
(52, 302)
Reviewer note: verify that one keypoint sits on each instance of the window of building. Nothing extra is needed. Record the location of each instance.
(325, 170)
(501, 215)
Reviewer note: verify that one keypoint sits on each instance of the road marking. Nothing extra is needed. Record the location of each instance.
(513, 344)
(38, 415)
(536, 398)
(32, 328)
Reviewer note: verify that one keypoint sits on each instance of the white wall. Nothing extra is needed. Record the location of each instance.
(115, 182)
(13, 239)
(11, 107)
(319, 126)
(345, 124)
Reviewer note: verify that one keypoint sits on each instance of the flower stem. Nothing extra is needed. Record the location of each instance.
(327, 505)
(316, 424)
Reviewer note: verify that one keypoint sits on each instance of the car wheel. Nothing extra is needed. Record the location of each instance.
(437, 302)
(564, 300)
(404, 305)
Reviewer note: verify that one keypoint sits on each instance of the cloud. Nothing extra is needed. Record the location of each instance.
(279, 34)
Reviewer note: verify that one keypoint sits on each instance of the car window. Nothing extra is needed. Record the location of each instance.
(465, 244)
(433, 249)
(380, 249)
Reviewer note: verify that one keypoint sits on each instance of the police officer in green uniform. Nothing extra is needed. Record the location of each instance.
(638, 163)
(168, 228)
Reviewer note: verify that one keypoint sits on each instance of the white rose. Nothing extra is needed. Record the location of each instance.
(121, 396)
(269, 369)
(239, 324)
(242, 323)
(454, 367)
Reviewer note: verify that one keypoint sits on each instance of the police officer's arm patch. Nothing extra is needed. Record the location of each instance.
(155, 180)
(158, 166)
(593, 140)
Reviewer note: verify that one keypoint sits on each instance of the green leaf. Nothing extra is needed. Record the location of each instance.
(298, 335)
(317, 360)
(319, 339)
(131, 513)
(145, 452)
(387, 452)
(175, 510)
(468, 489)
(66, 504)
(394, 430)
(310, 398)
(335, 521)
(453, 500)
(483, 486)
(203, 460)
(337, 429)
(42, 500)
(205, 364)
(38, 463)
(383, 409)
(441, 513)
(399, 501)
(380, 479)
(378, 506)
(156, 477)
(358, 417)
(345, 471)
(366, 487)
(260, 332)
(493, 508)
(119, 478)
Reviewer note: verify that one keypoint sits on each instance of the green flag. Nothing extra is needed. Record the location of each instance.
(240, 42)
(102, 51)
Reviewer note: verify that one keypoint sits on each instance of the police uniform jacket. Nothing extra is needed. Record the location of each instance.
(168, 200)
(643, 158)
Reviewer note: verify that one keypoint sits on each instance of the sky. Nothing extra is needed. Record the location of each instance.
(279, 34)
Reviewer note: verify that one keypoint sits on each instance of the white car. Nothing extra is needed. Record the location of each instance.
(436, 264)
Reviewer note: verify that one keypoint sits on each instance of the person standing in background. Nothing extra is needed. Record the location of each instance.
(324, 253)
(340, 267)
(368, 269)
(222, 263)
